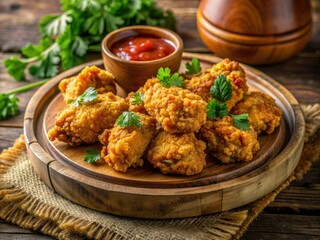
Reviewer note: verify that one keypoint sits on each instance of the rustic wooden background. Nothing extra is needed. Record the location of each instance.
(295, 214)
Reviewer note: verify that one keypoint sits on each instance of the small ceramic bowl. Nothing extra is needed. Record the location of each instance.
(131, 75)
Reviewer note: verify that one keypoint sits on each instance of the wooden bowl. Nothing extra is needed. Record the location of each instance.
(145, 192)
(255, 31)
(131, 75)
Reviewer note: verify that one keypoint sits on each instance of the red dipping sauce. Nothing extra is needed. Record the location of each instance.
(142, 48)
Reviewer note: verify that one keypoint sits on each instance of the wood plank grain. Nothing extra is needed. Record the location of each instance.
(19, 20)
(12, 229)
(282, 226)
(8, 136)
(24, 236)
(302, 195)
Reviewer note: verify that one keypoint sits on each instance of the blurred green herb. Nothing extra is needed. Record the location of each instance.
(137, 98)
(9, 102)
(92, 155)
(193, 67)
(67, 37)
(241, 121)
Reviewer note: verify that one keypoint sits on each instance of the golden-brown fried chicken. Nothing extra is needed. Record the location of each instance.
(263, 113)
(176, 109)
(126, 146)
(83, 124)
(92, 76)
(140, 107)
(202, 83)
(227, 143)
(180, 153)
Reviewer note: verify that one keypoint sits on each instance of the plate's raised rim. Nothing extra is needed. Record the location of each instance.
(232, 193)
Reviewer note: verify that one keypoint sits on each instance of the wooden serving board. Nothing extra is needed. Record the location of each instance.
(145, 192)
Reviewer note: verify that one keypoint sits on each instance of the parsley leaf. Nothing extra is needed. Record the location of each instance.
(9, 102)
(8, 105)
(84, 5)
(16, 67)
(168, 80)
(129, 119)
(31, 50)
(194, 67)
(73, 49)
(137, 98)
(102, 22)
(92, 155)
(47, 66)
(56, 25)
(241, 121)
(89, 95)
(221, 89)
(216, 110)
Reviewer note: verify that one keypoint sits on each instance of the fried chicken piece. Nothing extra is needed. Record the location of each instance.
(140, 107)
(83, 124)
(126, 146)
(176, 109)
(227, 143)
(189, 76)
(263, 113)
(232, 70)
(180, 153)
(92, 76)
(201, 85)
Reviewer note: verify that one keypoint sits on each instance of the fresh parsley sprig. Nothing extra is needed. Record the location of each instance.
(92, 155)
(193, 67)
(137, 98)
(9, 102)
(221, 91)
(87, 96)
(216, 110)
(168, 80)
(129, 119)
(66, 38)
(241, 121)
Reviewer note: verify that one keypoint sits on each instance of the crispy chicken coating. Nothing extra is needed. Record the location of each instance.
(263, 113)
(126, 146)
(227, 143)
(180, 153)
(202, 83)
(83, 124)
(92, 76)
(176, 109)
(140, 107)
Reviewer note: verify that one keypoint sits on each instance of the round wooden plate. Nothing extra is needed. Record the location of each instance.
(145, 192)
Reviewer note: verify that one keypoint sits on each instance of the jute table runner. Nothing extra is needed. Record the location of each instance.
(29, 203)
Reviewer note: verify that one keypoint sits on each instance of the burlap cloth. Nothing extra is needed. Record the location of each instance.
(29, 203)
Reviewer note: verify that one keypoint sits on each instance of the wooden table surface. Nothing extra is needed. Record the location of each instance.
(295, 213)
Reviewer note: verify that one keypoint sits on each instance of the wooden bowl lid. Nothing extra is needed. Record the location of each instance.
(257, 17)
